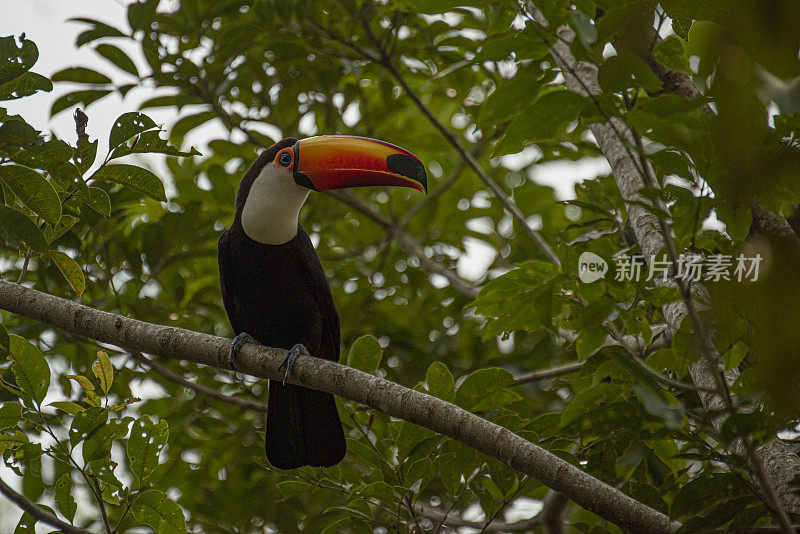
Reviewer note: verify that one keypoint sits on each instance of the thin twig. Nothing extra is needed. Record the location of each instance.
(167, 373)
(24, 269)
(101, 503)
(408, 243)
(384, 60)
(506, 501)
(507, 203)
(641, 364)
(37, 512)
(457, 496)
(551, 372)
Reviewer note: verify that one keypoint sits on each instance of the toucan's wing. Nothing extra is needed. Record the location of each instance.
(225, 272)
(322, 290)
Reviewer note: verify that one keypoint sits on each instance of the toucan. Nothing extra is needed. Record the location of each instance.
(274, 289)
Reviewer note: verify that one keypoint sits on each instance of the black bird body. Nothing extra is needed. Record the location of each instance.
(274, 288)
(279, 295)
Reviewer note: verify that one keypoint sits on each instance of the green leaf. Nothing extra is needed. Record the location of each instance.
(98, 445)
(70, 269)
(30, 368)
(64, 499)
(17, 226)
(80, 75)
(590, 340)
(189, 123)
(86, 423)
(84, 97)
(474, 389)
(703, 492)
(10, 414)
(4, 343)
(670, 53)
(24, 85)
(12, 442)
(88, 389)
(98, 31)
(51, 233)
(589, 400)
(155, 509)
(149, 142)
(365, 354)
(119, 58)
(505, 102)
(16, 59)
(104, 371)
(85, 154)
(625, 71)
(15, 132)
(553, 111)
(133, 176)
(144, 444)
(68, 407)
(288, 488)
(662, 295)
(440, 381)
(52, 156)
(26, 525)
(127, 125)
(33, 190)
(661, 404)
(141, 14)
(735, 355)
(99, 201)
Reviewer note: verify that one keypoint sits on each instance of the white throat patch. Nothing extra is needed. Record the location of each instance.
(272, 207)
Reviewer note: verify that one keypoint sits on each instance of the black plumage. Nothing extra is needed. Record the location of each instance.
(279, 295)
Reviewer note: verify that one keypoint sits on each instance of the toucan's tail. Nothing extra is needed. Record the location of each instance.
(303, 428)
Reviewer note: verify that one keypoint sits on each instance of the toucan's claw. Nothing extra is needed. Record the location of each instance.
(291, 356)
(238, 341)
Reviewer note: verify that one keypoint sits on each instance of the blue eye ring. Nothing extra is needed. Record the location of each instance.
(285, 159)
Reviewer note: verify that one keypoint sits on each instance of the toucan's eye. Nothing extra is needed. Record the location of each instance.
(285, 159)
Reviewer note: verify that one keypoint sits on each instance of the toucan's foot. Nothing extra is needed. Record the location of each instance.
(238, 341)
(291, 356)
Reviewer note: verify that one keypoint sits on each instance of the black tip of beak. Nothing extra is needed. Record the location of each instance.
(408, 166)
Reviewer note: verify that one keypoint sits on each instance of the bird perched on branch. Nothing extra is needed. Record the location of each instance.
(273, 286)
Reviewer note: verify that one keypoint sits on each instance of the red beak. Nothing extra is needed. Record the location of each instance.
(336, 161)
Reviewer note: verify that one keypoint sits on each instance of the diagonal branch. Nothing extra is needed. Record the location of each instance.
(171, 375)
(551, 372)
(501, 195)
(38, 513)
(385, 61)
(407, 242)
(331, 377)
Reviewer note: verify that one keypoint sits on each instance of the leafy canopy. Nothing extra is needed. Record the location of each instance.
(100, 227)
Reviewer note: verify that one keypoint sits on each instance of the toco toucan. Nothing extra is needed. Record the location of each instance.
(274, 288)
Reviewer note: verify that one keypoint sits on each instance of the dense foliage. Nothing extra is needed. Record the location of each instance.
(100, 228)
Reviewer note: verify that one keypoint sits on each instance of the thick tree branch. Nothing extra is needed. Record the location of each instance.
(38, 513)
(331, 377)
(167, 373)
(774, 460)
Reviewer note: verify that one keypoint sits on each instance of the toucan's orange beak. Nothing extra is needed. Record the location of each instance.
(337, 161)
